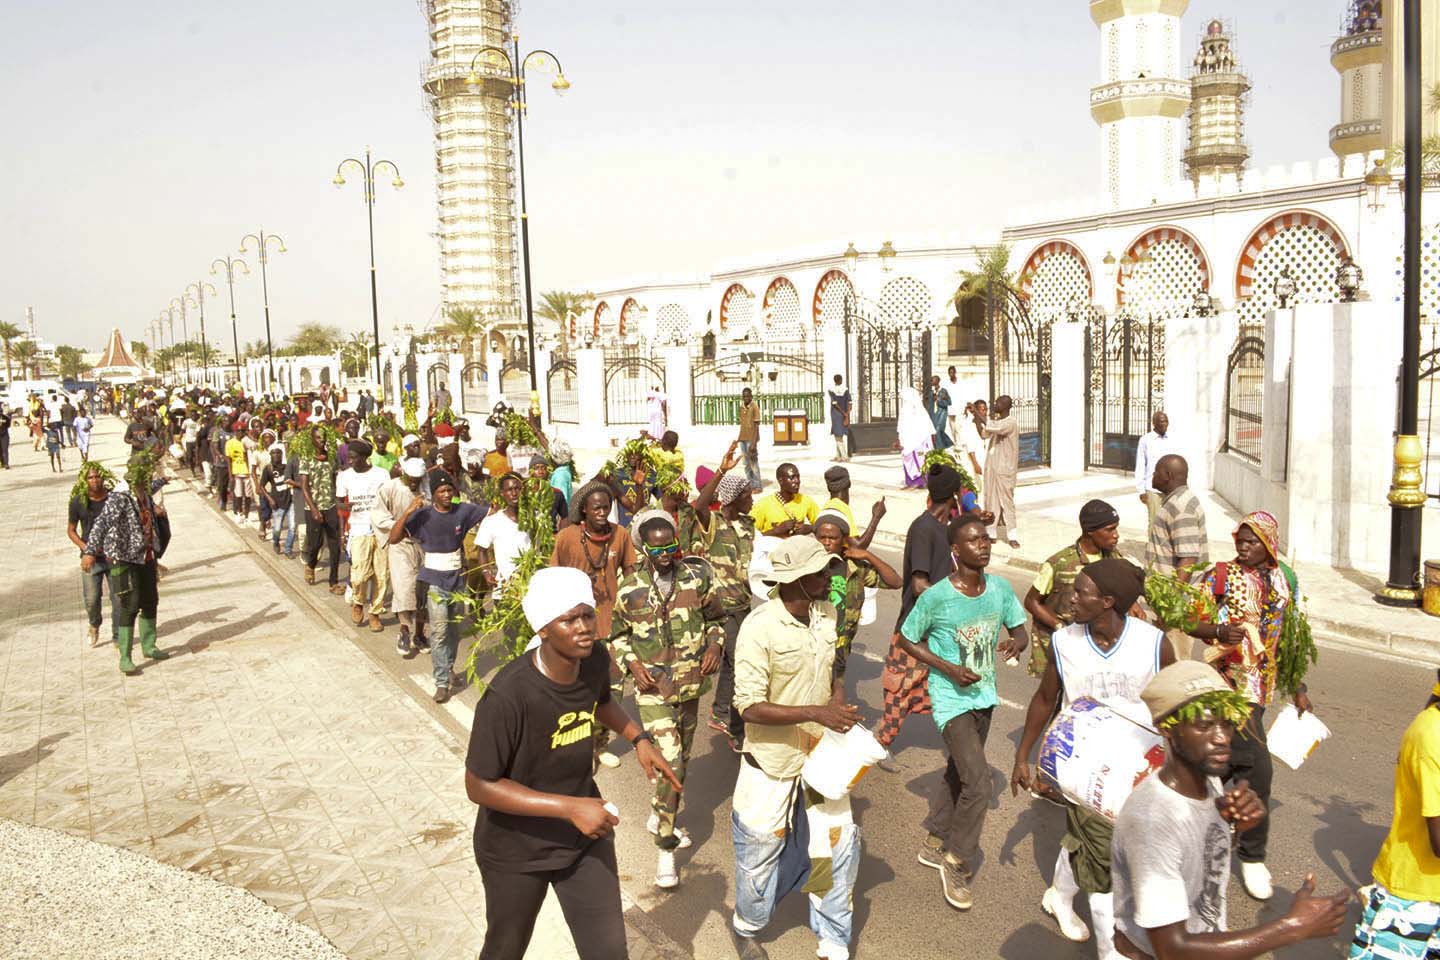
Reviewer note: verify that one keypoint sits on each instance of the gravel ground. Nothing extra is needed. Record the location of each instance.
(66, 897)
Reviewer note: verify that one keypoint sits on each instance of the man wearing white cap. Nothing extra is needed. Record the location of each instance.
(391, 502)
(542, 822)
(787, 692)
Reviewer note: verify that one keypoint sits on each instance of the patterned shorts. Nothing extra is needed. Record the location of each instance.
(1393, 928)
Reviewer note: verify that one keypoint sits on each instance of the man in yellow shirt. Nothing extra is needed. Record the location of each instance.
(1402, 915)
(787, 511)
(242, 485)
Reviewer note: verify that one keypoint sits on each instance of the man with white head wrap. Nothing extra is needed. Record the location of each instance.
(391, 502)
(542, 822)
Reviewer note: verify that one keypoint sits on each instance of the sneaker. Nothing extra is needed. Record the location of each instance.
(888, 764)
(747, 948)
(402, 644)
(955, 884)
(442, 693)
(458, 681)
(94, 636)
(1072, 928)
(681, 834)
(422, 643)
(608, 759)
(666, 876)
(1256, 877)
(277, 548)
(932, 852)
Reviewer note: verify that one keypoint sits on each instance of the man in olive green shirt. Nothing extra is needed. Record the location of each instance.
(750, 437)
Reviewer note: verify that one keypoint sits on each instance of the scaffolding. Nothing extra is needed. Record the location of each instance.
(1219, 93)
(474, 158)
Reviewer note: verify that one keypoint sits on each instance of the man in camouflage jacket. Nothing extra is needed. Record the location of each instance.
(660, 635)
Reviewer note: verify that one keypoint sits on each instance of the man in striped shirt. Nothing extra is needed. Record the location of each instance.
(1177, 534)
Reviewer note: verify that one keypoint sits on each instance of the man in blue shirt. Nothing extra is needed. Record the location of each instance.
(954, 629)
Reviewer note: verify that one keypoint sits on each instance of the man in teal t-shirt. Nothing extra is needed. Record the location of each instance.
(954, 629)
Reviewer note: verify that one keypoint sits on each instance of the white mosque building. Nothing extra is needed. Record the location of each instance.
(1185, 251)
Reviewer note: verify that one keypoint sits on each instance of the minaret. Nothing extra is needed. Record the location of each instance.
(1217, 109)
(474, 172)
(1141, 101)
(1359, 57)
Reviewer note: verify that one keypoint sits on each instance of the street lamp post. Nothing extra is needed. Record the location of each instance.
(199, 287)
(368, 169)
(168, 315)
(1402, 585)
(230, 265)
(516, 67)
(262, 243)
(182, 302)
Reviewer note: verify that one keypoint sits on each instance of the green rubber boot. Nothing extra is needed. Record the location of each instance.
(147, 639)
(124, 639)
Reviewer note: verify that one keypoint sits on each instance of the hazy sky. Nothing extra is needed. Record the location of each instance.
(144, 139)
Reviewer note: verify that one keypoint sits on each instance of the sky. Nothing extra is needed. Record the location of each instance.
(145, 139)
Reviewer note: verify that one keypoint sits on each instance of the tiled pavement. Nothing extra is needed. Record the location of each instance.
(267, 752)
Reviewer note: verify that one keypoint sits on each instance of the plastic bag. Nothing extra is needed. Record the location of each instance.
(1294, 736)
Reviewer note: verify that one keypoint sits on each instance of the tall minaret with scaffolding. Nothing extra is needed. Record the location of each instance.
(474, 159)
(1217, 110)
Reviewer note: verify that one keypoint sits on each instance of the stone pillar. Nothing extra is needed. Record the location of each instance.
(454, 382)
(1277, 402)
(1067, 404)
(590, 388)
(1342, 417)
(495, 387)
(1197, 350)
(542, 382)
(678, 387)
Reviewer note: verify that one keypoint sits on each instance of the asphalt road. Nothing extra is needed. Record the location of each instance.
(1329, 817)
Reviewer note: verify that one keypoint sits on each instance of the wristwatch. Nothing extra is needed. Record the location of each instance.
(642, 735)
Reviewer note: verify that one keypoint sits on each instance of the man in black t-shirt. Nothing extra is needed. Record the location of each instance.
(83, 511)
(542, 821)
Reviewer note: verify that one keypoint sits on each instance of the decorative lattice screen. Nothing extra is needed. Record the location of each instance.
(1057, 277)
(782, 312)
(905, 301)
(672, 324)
(606, 322)
(829, 306)
(1166, 285)
(737, 310)
(1311, 250)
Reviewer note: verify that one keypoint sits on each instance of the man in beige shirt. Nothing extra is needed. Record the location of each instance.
(750, 437)
(1002, 468)
(787, 692)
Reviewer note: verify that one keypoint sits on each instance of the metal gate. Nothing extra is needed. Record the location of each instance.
(628, 378)
(1020, 368)
(1124, 386)
(561, 389)
(782, 376)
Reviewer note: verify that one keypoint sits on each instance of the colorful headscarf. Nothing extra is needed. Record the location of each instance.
(1266, 527)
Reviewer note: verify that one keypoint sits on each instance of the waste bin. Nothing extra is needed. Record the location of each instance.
(790, 427)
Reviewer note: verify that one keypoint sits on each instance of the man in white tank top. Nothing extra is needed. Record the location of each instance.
(1107, 656)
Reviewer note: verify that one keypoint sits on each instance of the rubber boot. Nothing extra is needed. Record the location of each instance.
(1102, 920)
(146, 627)
(124, 641)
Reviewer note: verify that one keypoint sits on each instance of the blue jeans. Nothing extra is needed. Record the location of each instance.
(757, 858)
(92, 587)
(750, 451)
(283, 519)
(444, 613)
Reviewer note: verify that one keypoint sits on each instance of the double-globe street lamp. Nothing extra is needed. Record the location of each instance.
(168, 316)
(228, 265)
(198, 289)
(516, 67)
(180, 303)
(368, 169)
(262, 245)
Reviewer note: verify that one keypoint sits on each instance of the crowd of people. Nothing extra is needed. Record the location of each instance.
(657, 590)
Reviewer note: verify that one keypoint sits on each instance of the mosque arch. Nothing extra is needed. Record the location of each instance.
(1054, 275)
(827, 309)
(780, 311)
(1177, 268)
(1301, 243)
(737, 310)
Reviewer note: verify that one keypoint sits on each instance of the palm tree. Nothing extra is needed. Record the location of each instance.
(28, 355)
(140, 350)
(355, 354)
(71, 362)
(9, 332)
(315, 338)
(991, 275)
(557, 306)
(466, 325)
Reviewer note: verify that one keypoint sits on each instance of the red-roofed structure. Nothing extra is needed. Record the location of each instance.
(116, 363)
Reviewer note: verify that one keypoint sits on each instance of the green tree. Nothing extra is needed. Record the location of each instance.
(314, 338)
(356, 354)
(140, 350)
(71, 361)
(27, 354)
(9, 333)
(558, 305)
(464, 325)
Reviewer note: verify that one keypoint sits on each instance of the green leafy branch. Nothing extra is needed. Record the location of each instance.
(945, 458)
(1227, 705)
(1179, 605)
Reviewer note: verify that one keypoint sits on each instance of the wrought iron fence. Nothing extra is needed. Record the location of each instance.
(1244, 396)
(561, 386)
(1124, 385)
(1020, 368)
(1426, 426)
(781, 375)
(629, 378)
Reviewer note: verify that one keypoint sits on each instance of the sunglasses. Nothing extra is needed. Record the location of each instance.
(664, 550)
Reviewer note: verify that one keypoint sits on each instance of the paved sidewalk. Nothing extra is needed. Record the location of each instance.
(267, 752)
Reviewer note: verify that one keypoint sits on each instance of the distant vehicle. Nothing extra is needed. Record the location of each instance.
(17, 394)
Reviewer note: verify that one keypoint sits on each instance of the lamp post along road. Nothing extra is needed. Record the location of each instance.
(230, 265)
(368, 169)
(198, 288)
(168, 316)
(515, 67)
(182, 302)
(262, 243)
(1402, 586)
